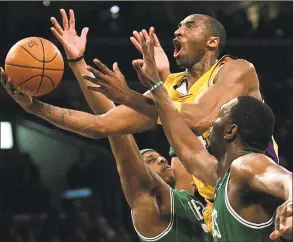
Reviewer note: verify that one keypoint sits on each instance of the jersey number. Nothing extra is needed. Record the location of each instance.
(216, 230)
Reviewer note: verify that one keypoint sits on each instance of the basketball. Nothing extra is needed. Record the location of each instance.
(35, 65)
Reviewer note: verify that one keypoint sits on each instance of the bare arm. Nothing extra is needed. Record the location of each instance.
(78, 122)
(136, 177)
(97, 101)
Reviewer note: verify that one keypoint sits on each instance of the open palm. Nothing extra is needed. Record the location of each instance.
(73, 44)
(162, 62)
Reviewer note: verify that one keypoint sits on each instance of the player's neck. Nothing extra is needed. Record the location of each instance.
(200, 68)
(232, 153)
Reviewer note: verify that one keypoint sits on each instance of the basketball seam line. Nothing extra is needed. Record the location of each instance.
(42, 75)
(34, 67)
(37, 58)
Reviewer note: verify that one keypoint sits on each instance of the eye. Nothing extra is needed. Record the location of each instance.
(151, 161)
(189, 25)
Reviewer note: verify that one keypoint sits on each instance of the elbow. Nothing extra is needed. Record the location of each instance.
(200, 127)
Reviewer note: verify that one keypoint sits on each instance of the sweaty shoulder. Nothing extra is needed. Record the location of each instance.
(242, 73)
(248, 166)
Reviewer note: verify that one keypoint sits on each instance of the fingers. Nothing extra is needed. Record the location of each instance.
(103, 68)
(136, 43)
(96, 89)
(117, 71)
(156, 41)
(64, 19)
(143, 44)
(274, 235)
(56, 25)
(150, 42)
(97, 73)
(145, 35)
(71, 19)
(137, 67)
(4, 77)
(280, 222)
(6, 82)
(140, 61)
(57, 35)
(84, 32)
(90, 78)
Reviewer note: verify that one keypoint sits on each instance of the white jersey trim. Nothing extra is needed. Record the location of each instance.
(239, 218)
(167, 230)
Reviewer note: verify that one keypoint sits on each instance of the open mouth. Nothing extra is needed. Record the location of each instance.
(177, 47)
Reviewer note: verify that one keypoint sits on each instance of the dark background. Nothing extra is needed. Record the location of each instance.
(46, 161)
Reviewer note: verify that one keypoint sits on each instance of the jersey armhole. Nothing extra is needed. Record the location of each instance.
(166, 231)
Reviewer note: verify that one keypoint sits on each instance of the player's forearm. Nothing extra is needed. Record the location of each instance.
(82, 123)
(135, 176)
(187, 146)
(142, 104)
(97, 101)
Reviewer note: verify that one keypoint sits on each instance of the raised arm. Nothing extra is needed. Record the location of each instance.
(136, 177)
(74, 47)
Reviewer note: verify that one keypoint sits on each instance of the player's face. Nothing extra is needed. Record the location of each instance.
(220, 127)
(160, 165)
(190, 41)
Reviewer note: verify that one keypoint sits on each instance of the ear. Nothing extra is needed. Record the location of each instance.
(231, 133)
(213, 42)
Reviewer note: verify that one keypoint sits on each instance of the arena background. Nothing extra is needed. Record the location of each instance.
(58, 186)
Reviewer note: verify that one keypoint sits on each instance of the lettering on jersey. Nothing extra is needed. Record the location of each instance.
(197, 208)
(216, 230)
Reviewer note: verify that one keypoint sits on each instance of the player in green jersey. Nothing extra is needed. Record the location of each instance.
(251, 187)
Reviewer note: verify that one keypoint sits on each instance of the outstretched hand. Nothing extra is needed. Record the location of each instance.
(283, 221)
(148, 75)
(16, 93)
(162, 62)
(111, 83)
(73, 44)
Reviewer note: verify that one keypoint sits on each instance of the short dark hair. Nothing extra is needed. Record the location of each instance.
(215, 28)
(255, 121)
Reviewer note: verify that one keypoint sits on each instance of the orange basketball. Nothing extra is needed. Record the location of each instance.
(34, 64)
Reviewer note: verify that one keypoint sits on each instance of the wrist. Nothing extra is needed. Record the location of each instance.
(75, 59)
(33, 107)
(156, 86)
(128, 98)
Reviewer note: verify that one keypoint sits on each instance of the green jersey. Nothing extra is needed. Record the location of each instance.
(228, 226)
(186, 223)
